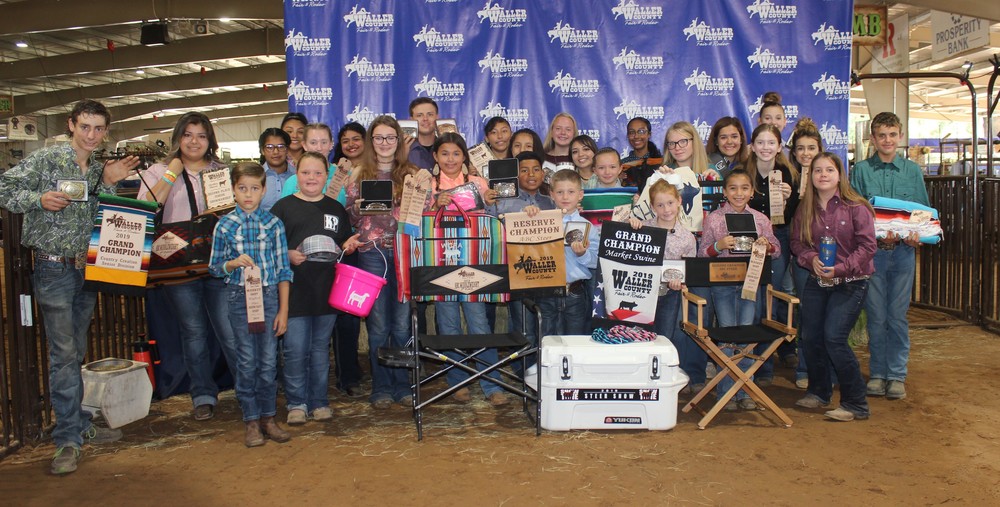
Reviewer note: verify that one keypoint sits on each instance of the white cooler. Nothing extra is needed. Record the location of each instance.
(592, 385)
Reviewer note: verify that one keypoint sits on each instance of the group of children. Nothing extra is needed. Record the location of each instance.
(832, 294)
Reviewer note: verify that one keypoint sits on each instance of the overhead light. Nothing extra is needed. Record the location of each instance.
(153, 34)
(140, 71)
(225, 20)
(967, 65)
(21, 44)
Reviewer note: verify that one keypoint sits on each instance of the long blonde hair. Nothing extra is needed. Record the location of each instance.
(699, 158)
(806, 213)
(549, 144)
(401, 165)
(779, 159)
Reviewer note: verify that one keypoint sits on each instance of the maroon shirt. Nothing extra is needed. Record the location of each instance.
(851, 226)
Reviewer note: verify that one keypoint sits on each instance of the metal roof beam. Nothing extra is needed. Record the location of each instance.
(244, 44)
(202, 102)
(48, 15)
(136, 128)
(269, 73)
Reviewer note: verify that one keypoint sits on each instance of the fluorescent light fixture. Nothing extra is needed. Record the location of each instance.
(967, 65)
(225, 20)
(21, 44)
(140, 71)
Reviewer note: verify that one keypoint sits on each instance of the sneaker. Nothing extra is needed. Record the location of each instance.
(296, 417)
(463, 395)
(711, 370)
(498, 399)
(844, 415)
(876, 387)
(811, 401)
(322, 414)
(382, 403)
(354, 392)
(693, 389)
(98, 435)
(896, 390)
(731, 406)
(763, 382)
(406, 401)
(66, 460)
(747, 404)
(802, 383)
(203, 412)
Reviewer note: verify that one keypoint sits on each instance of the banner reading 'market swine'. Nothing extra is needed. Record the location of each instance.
(630, 265)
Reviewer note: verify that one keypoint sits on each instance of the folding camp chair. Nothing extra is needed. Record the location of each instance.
(706, 272)
(431, 349)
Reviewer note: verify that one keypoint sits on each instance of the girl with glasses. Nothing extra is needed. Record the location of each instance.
(644, 157)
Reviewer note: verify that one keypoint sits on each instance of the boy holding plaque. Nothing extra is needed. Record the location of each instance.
(571, 314)
(250, 252)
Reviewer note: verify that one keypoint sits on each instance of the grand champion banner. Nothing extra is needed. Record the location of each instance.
(603, 61)
(535, 254)
(120, 246)
(631, 263)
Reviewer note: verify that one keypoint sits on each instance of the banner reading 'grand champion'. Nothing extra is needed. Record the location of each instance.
(604, 61)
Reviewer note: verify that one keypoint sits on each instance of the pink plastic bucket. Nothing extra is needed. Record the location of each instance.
(355, 290)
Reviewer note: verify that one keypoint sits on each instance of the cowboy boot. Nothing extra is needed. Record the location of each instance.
(273, 431)
(254, 438)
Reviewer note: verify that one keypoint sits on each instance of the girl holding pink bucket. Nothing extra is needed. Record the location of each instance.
(317, 228)
(384, 158)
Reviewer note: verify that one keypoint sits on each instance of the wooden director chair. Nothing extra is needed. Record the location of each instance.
(431, 349)
(707, 272)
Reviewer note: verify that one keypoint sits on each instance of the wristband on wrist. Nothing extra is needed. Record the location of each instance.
(170, 173)
(225, 269)
(168, 181)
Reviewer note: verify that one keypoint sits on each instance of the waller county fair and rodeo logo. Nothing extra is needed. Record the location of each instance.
(631, 109)
(306, 46)
(706, 35)
(832, 38)
(791, 110)
(768, 12)
(368, 71)
(516, 117)
(439, 90)
(833, 135)
(703, 128)
(306, 95)
(365, 21)
(437, 42)
(364, 115)
(636, 63)
(635, 14)
(706, 85)
(770, 62)
(570, 37)
(568, 86)
(503, 67)
(500, 17)
(833, 88)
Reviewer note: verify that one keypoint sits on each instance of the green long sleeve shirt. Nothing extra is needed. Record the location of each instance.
(899, 179)
(66, 232)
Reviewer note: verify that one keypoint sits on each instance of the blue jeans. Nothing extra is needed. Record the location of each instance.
(197, 305)
(307, 361)
(799, 276)
(732, 310)
(832, 313)
(256, 355)
(779, 267)
(388, 326)
(698, 360)
(449, 322)
(66, 312)
(567, 315)
(888, 300)
(668, 324)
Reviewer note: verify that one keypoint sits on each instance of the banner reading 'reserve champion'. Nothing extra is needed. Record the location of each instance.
(604, 61)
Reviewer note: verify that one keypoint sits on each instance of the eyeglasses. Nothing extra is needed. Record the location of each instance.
(679, 144)
(640, 132)
(275, 147)
(385, 139)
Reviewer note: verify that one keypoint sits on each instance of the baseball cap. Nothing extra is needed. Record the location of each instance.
(320, 248)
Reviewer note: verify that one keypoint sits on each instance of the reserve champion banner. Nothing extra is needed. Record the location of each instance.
(603, 61)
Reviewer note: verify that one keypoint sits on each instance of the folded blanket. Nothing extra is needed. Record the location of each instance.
(896, 215)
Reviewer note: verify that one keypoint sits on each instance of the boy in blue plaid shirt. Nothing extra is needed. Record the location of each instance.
(250, 236)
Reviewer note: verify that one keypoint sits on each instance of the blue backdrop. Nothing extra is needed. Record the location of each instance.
(603, 61)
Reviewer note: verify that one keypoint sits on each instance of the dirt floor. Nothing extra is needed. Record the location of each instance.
(938, 446)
